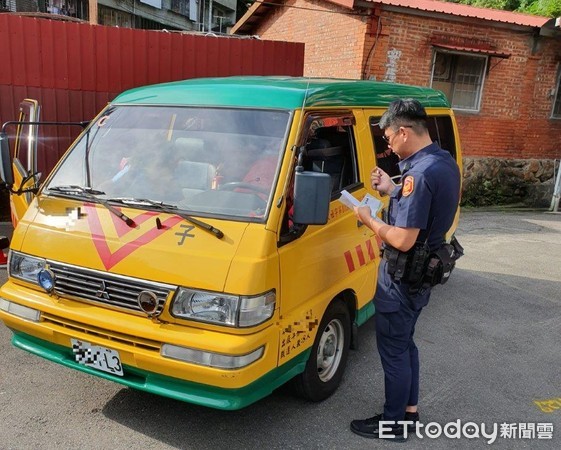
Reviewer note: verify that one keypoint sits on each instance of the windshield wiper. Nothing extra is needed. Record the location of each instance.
(170, 209)
(73, 191)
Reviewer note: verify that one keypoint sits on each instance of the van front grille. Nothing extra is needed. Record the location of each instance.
(95, 332)
(113, 291)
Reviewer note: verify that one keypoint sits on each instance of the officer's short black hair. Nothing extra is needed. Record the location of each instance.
(405, 112)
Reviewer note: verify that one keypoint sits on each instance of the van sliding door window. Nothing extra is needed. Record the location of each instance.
(385, 158)
(440, 128)
(442, 131)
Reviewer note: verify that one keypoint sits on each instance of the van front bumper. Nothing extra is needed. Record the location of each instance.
(197, 393)
(139, 340)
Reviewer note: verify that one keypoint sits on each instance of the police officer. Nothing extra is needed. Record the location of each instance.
(421, 211)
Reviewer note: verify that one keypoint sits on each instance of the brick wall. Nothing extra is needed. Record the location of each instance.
(334, 36)
(516, 103)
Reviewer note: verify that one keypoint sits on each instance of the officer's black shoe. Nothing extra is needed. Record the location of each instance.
(371, 428)
(411, 417)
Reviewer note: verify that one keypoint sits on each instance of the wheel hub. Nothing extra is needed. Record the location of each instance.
(330, 349)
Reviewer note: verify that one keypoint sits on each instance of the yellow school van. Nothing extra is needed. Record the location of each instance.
(190, 243)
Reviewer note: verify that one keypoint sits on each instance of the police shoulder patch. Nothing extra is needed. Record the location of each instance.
(408, 186)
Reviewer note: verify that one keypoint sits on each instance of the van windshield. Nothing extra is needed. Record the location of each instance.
(208, 161)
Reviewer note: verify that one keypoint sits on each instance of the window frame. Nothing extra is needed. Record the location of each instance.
(345, 119)
(484, 70)
(556, 96)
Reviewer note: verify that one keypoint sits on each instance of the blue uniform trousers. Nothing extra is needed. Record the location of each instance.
(400, 359)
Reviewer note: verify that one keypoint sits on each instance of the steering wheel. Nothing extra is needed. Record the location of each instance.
(243, 185)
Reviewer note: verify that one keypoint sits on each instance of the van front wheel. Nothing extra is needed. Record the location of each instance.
(325, 367)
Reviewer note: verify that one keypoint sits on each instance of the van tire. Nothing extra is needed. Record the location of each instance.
(325, 367)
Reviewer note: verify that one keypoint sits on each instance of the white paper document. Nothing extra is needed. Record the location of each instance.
(374, 204)
(350, 202)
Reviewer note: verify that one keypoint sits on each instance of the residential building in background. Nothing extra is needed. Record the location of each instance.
(500, 70)
(215, 16)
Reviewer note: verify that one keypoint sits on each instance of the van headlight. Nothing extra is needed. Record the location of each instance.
(223, 309)
(25, 267)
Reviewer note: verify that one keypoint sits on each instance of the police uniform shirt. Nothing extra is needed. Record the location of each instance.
(427, 199)
(429, 194)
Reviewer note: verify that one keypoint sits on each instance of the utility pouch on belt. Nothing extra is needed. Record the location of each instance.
(441, 263)
(397, 262)
(408, 267)
(418, 260)
(420, 267)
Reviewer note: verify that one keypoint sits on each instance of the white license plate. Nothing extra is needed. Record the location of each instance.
(100, 358)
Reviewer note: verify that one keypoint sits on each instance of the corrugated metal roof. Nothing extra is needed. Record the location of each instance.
(457, 9)
(260, 9)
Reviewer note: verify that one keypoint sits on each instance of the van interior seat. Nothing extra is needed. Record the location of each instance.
(190, 149)
(326, 158)
(194, 177)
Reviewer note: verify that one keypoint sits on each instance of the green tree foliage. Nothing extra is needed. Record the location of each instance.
(546, 8)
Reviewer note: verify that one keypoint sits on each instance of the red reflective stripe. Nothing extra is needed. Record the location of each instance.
(349, 259)
(370, 250)
(360, 254)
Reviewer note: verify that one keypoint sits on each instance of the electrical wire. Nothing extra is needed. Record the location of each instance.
(367, 64)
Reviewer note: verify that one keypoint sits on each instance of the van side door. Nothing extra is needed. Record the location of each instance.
(338, 259)
(24, 158)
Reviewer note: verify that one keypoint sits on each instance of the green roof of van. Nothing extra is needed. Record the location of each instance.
(279, 92)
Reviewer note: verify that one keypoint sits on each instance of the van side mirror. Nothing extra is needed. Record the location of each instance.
(6, 174)
(312, 194)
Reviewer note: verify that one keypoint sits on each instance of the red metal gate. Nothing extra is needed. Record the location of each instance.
(74, 69)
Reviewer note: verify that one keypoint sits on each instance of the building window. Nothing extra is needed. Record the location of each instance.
(7, 5)
(180, 7)
(556, 113)
(114, 18)
(460, 76)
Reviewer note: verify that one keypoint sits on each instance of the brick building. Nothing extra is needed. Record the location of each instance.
(499, 69)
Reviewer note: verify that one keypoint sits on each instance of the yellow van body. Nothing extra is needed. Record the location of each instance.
(137, 291)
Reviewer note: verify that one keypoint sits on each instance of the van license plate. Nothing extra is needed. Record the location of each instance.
(100, 358)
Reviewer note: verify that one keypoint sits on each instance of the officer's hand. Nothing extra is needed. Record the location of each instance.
(381, 181)
(363, 214)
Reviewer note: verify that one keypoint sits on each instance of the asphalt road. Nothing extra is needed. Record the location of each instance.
(490, 344)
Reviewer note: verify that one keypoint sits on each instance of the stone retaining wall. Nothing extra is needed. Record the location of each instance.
(493, 181)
